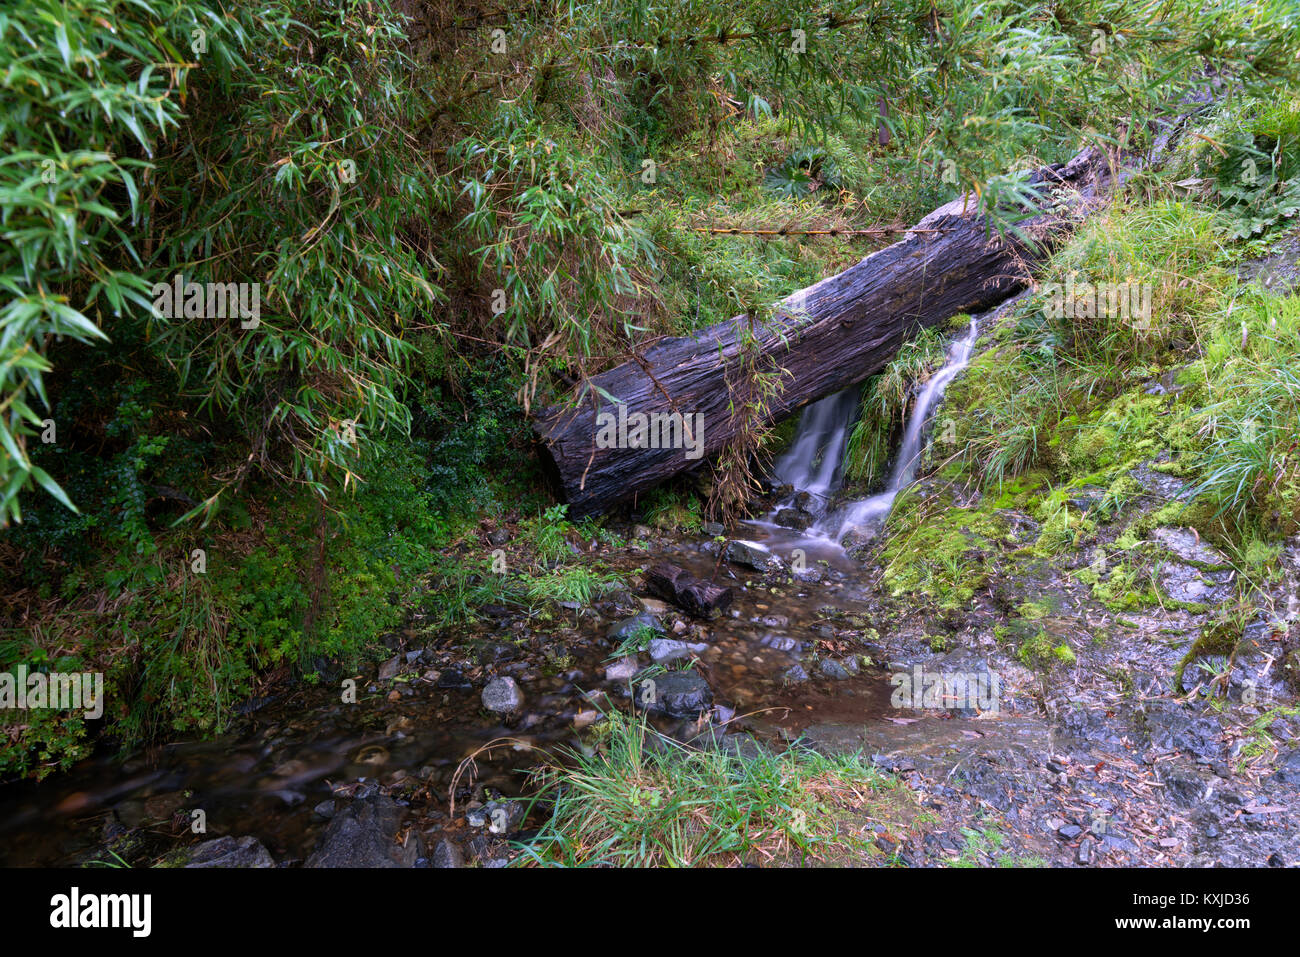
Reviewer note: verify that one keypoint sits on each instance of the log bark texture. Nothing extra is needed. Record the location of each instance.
(827, 337)
(681, 588)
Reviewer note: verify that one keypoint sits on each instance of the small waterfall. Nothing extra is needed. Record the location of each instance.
(874, 509)
(813, 463)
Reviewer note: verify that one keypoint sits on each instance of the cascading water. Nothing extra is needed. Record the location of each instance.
(812, 463)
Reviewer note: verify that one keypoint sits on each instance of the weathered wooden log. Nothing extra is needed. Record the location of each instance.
(681, 588)
(676, 398)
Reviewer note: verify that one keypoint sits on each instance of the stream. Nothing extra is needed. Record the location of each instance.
(1069, 772)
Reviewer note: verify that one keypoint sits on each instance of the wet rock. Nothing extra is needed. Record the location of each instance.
(630, 627)
(447, 853)
(860, 538)
(751, 556)
(621, 670)
(504, 817)
(1187, 583)
(794, 675)
(1069, 831)
(712, 529)
(450, 679)
(667, 649)
(1087, 498)
(488, 851)
(793, 518)
(496, 651)
(364, 834)
(811, 574)
(325, 809)
(231, 852)
(1187, 546)
(391, 668)
(1288, 769)
(1184, 790)
(778, 642)
(833, 669)
(679, 694)
(503, 696)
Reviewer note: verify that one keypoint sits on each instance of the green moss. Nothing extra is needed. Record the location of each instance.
(939, 551)
(1042, 650)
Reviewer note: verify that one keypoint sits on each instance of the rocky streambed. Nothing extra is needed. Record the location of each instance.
(1099, 759)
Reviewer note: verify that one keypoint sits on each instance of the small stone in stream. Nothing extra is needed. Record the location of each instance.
(476, 816)
(809, 573)
(447, 854)
(364, 834)
(833, 669)
(495, 651)
(325, 809)
(504, 817)
(231, 852)
(751, 556)
(713, 529)
(778, 642)
(488, 851)
(630, 627)
(503, 696)
(621, 670)
(451, 679)
(1069, 831)
(666, 649)
(793, 518)
(678, 694)
(796, 674)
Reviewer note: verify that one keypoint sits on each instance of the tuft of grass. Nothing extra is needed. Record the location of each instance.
(641, 799)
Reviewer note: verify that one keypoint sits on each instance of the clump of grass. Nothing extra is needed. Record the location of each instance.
(574, 583)
(1249, 466)
(548, 534)
(644, 800)
(669, 511)
(885, 400)
(634, 643)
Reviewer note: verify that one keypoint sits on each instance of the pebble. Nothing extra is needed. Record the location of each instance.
(503, 696)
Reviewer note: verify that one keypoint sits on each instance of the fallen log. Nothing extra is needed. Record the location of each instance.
(681, 588)
(676, 398)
